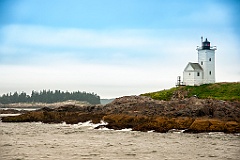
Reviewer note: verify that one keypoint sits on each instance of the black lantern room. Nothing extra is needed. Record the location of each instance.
(206, 44)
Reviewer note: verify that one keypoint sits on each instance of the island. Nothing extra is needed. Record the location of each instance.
(192, 109)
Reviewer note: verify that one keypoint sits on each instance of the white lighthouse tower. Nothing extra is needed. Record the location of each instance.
(206, 59)
(202, 72)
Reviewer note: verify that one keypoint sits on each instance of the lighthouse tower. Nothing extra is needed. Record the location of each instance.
(206, 59)
(202, 72)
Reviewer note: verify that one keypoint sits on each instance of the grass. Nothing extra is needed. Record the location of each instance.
(220, 91)
(161, 95)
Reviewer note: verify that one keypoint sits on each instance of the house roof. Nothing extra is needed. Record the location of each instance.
(194, 66)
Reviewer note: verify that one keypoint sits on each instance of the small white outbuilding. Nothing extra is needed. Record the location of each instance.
(193, 74)
(202, 72)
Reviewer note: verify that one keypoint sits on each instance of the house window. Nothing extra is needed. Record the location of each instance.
(198, 74)
(210, 59)
(210, 72)
(201, 62)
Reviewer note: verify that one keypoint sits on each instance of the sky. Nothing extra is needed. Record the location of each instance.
(113, 48)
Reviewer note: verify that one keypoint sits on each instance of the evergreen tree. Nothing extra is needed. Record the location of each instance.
(49, 97)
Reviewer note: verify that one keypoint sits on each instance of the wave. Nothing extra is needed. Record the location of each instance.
(7, 115)
(88, 124)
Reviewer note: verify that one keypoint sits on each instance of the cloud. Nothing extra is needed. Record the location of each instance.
(46, 36)
(110, 63)
(96, 78)
(36, 42)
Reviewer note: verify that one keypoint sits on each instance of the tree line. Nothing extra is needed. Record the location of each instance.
(49, 96)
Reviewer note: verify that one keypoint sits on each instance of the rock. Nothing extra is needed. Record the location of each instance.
(199, 125)
(46, 109)
(12, 111)
(188, 107)
(232, 127)
(143, 114)
(214, 125)
(54, 117)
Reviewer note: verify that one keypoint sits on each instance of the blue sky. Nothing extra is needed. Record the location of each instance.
(112, 47)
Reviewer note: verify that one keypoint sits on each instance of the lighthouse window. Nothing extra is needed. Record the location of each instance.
(198, 74)
(210, 72)
(210, 59)
(201, 62)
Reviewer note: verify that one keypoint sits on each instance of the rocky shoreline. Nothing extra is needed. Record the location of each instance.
(145, 114)
(41, 105)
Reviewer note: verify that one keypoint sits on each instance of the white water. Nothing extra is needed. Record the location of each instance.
(24, 141)
(7, 115)
(20, 109)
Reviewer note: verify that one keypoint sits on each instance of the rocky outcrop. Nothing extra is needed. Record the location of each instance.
(143, 114)
(188, 107)
(42, 105)
(144, 123)
(214, 125)
(54, 117)
(165, 124)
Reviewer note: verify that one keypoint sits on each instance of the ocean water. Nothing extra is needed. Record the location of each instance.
(34, 141)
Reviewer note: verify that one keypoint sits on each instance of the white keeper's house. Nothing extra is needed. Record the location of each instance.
(202, 72)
